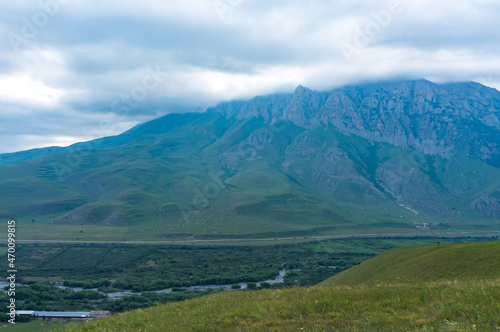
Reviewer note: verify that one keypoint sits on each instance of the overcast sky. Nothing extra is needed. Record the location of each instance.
(69, 66)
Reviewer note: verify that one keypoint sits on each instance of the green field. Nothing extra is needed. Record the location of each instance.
(44, 232)
(466, 299)
(35, 326)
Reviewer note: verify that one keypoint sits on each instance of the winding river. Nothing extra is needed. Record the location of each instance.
(117, 295)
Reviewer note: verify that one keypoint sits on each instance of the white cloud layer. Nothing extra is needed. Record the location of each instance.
(63, 63)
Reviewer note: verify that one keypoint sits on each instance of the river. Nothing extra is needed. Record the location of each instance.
(117, 295)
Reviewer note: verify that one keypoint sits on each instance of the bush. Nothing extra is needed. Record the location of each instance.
(236, 286)
(122, 285)
(251, 285)
(88, 295)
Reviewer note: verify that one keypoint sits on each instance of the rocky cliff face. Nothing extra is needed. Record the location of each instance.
(433, 119)
(449, 121)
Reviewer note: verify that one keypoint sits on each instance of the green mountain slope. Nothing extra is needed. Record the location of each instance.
(427, 263)
(276, 166)
(435, 302)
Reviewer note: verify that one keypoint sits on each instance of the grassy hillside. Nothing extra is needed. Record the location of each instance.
(461, 261)
(434, 303)
(444, 306)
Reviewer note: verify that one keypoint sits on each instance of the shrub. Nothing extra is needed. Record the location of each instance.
(251, 285)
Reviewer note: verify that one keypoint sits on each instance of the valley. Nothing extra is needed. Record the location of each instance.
(258, 199)
(381, 297)
(230, 165)
(139, 271)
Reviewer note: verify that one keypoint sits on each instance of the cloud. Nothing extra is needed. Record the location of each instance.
(65, 63)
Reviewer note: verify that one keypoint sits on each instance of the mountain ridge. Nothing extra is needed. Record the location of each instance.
(287, 106)
(391, 122)
(280, 165)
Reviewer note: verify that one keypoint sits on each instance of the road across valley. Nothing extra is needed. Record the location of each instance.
(274, 239)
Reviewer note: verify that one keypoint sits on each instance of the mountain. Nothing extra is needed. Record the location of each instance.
(433, 119)
(156, 126)
(400, 156)
(466, 301)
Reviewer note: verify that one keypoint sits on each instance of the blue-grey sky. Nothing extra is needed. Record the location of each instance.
(73, 70)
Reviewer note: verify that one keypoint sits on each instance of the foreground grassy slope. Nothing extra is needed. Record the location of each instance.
(472, 302)
(461, 261)
(422, 306)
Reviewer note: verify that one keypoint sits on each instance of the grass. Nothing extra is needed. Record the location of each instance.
(36, 326)
(441, 306)
(425, 263)
(38, 231)
(458, 296)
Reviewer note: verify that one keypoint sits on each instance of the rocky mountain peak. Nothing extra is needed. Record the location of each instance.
(436, 119)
